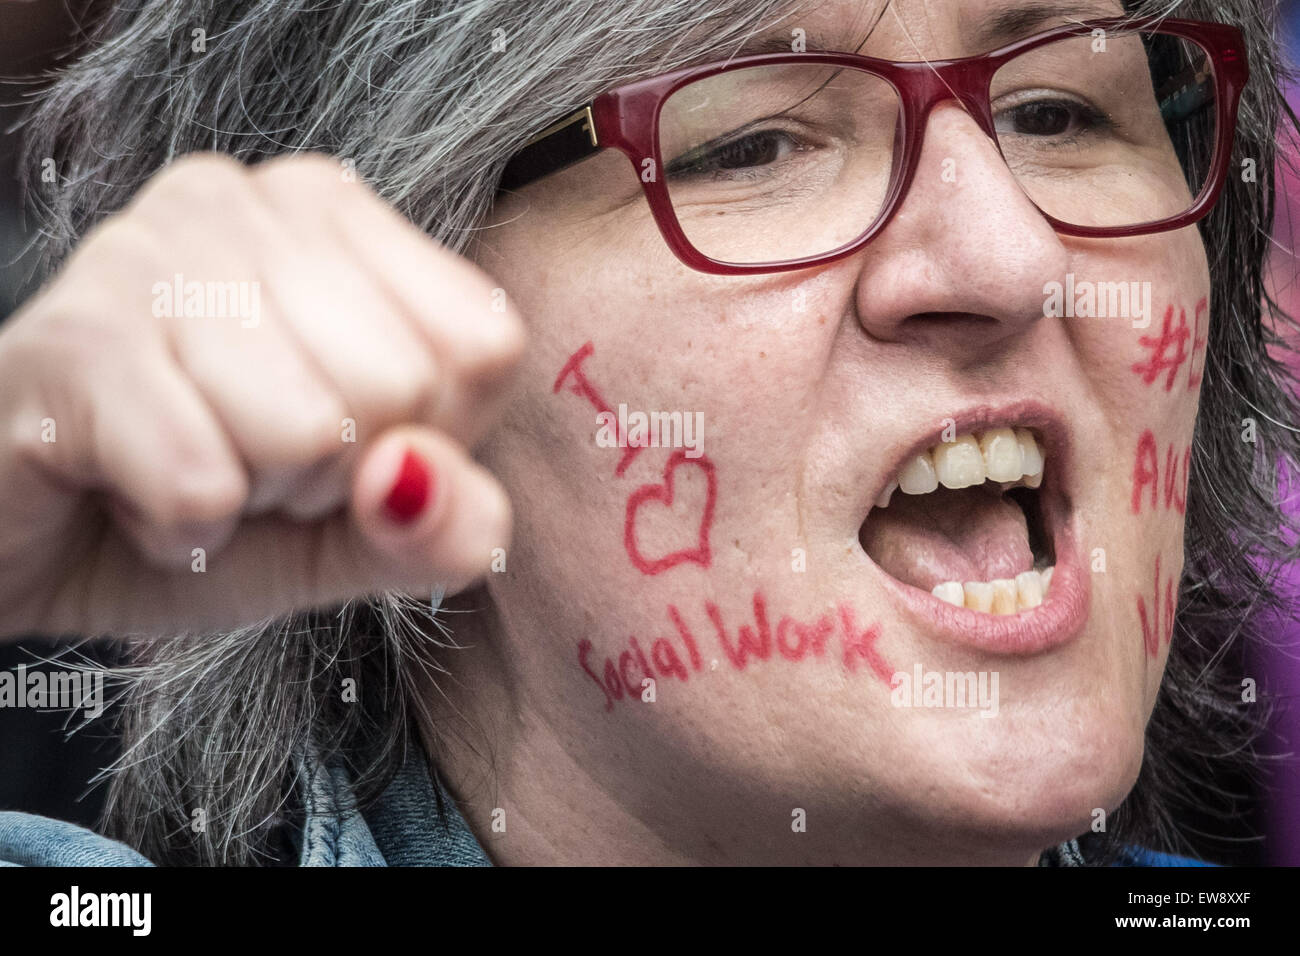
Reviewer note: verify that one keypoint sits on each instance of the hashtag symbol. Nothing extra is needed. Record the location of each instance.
(1168, 350)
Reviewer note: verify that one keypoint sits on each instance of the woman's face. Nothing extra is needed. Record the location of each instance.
(783, 616)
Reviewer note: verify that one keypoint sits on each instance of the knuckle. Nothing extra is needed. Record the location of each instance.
(508, 343)
(22, 441)
(500, 338)
(192, 177)
(197, 497)
(313, 435)
(476, 286)
(123, 244)
(72, 342)
(491, 363)
(403, 390)
(302, 174)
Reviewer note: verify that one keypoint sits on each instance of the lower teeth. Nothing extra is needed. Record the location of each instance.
(1000, 596)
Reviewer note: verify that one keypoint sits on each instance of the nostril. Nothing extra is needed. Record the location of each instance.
(966, 333)
(952, 321)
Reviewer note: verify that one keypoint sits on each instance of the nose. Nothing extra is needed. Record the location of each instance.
(962, 265)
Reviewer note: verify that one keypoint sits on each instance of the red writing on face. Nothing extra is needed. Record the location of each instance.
(652, 501)
(1175, 346)
(1169, 487)
(1200, 320)
(749, 643)
(582, 386)
(1158, 623)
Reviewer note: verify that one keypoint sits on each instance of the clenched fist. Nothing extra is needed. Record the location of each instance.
(250, 392)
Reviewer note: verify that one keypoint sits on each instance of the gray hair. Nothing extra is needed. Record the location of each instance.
(412, 92)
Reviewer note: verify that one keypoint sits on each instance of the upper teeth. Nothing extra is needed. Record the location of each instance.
(999, 454)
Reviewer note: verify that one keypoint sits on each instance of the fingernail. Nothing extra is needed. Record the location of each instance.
(411, 491)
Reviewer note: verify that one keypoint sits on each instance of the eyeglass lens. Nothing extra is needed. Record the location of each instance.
(777, 163)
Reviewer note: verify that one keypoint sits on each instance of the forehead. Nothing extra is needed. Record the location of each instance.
(925, 28)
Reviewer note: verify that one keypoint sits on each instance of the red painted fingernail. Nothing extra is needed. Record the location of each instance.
(411, 491)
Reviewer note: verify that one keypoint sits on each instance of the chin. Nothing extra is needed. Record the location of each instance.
(1036, 775)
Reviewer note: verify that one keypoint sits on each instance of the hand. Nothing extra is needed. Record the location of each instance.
(293, 436)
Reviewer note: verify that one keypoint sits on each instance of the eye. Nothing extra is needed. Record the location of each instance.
(750, 151)
(1057, 117)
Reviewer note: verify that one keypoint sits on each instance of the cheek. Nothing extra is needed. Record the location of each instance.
(1169, 368)
(742, 356)
(643, 532)
(728, 383)
(1140, 323)
(1145, 369)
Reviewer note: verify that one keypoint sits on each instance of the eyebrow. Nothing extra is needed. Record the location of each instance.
(573, 138)
(784, 43)
(1012, 23)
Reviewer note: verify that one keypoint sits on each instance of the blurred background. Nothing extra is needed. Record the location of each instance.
(1281, 802)
(44, 770)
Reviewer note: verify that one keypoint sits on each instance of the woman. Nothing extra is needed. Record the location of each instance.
(888, 450)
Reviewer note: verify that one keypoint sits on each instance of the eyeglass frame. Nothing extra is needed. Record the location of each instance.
(626, 118)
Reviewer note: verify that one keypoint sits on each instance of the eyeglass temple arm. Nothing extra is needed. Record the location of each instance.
(557, 147)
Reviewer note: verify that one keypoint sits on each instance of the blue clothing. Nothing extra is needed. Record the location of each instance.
(1140, 857)
(403, 828)
(1072, 854)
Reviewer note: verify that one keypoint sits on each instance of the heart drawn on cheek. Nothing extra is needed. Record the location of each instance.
(652, 505)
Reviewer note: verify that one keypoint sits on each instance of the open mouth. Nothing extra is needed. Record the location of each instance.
(965, 520)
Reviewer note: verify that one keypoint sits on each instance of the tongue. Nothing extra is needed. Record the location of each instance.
(975, 534)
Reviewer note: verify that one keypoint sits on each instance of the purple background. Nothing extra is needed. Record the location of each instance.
(1280, 665)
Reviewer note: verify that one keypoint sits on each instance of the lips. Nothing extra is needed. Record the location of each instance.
(974, 535)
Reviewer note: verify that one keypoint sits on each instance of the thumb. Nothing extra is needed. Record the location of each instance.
(423, 506)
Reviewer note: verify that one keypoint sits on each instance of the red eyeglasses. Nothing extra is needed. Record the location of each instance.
(1114, 127)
